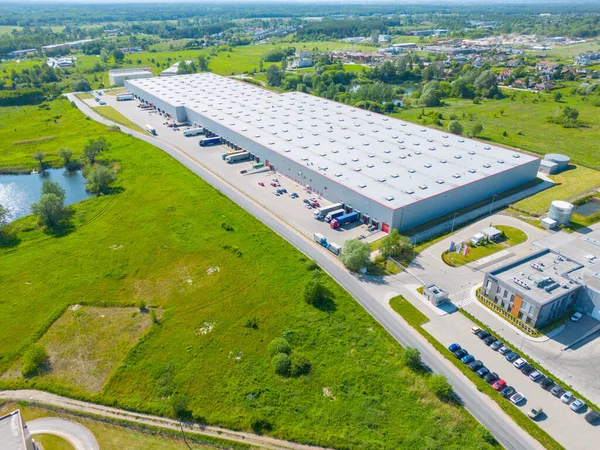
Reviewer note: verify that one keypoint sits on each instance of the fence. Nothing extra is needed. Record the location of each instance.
(505, 314)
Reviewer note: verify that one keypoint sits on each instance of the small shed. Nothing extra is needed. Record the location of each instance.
(435, 294)
(549, 223)
(493, 234)
(476, 239)
(548, 167)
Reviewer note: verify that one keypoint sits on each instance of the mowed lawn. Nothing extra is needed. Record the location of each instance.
(112, 114)
(526, 123)
(175, 252)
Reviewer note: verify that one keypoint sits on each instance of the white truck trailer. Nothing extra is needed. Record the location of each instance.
(320, 213)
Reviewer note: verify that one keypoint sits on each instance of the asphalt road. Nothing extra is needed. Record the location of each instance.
(479, 405)
(77, 435)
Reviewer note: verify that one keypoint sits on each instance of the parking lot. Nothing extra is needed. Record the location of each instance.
(292, 210)
(568, 427)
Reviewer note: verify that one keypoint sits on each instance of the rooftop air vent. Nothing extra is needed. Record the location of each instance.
(287, 150)
(472, 171)
(427, 165)
(516, 155)
(386, 161)
(487, 166)
(500, 161)
(370, 166)
(440, 181)
(338, 174)
(411, 170)
(358, 169)
(389, 198)
(394, 175)
(456, 175)
(471, 152)
(362, 185)
(423, 186)
(457, 156)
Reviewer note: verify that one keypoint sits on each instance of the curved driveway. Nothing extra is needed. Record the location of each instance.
(77, 435)
(487, 412)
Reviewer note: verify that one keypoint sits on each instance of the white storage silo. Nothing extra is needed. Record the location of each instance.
(561, 211)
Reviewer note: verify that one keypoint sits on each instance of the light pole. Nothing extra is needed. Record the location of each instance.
(492, 205)
(453, 219)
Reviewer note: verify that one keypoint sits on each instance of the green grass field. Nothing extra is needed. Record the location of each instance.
(526, 124)
(171, 231)
(112, 114)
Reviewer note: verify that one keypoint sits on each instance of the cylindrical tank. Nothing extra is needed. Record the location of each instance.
(561, 160)
(561, 211)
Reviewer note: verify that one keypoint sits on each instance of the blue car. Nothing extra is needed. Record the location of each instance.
(453, 348)
(467, 359)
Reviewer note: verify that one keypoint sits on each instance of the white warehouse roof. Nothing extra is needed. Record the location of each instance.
(390, 161)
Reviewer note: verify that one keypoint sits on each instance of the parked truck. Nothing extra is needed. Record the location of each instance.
(320, 213)
(344, 219)
(334, 248)
(210, 141)
(244, 156)
(320, 239)
(193, 131)
(334, 215)
(124, 96)
(233, 152)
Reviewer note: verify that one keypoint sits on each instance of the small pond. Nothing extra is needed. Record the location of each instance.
(19, 192)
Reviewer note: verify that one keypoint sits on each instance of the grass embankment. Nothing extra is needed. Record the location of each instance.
(416, 318)
(512, 236)
(85, 96)
(111, 435)
(111, 113)
(227, 285)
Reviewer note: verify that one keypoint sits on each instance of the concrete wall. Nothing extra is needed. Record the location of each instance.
(588, 302)
(119, 80)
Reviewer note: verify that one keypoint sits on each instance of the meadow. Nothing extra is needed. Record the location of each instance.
(226, 286)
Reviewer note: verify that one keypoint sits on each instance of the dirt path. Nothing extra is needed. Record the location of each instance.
(155, 421)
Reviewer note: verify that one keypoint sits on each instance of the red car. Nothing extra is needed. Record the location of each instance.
(273, 184)
(499, 385)
(315, 204)
(260, 183)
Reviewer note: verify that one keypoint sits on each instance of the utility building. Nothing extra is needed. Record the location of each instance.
(394, 173)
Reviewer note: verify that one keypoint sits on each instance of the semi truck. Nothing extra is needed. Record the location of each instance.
(334, 215)
(334, 248)
(233, 152)
(244, 156)
(124, 96)
(193, 132)
(150, 129)
(320, 239)
(320, 213)
(344, 219)
(210, 141)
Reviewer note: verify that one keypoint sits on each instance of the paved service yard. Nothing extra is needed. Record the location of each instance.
(291, 210)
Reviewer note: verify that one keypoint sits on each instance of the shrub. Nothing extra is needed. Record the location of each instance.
(440, 387)
(313, 291)
(142, 305)
(154, 317)
(252, 322)
(33, 360)
(300, 365)
(412, 358)
(281, 364)
(279, 345)
(179, 403)
(99, 179)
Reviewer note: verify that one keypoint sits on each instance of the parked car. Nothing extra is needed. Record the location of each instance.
(592, 417)
(557, 391)
(527, 369)
(467, 359)
(567, 397)
(535, 376)
(504, 350)
(483, 334)
(519, 363)
(499, 385)
(276, 193)
(102, 102)
(508, 392)
(260, 183)
(534, 412)
(308, 206)
(577, 404)
(306, 201)
(482, 372)
(294, 195)
(546, 383)
(312, 199)
(283, 190)
(496, 345)
(517, 398)
(489, 340)
(315, 204)
(274, 184)
(511, 356)
(575, 317)
(454, 347)
(475, 365)
(460, 353)
(475, 330)
(491, 377)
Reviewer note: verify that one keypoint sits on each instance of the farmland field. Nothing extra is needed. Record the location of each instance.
(227, 286)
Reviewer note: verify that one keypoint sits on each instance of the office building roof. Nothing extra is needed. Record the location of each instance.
(12, 433)
(388, 160)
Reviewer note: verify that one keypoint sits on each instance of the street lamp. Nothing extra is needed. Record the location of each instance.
(453, 219)
(492, 205)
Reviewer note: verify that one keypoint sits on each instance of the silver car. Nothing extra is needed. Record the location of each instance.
(577, 405)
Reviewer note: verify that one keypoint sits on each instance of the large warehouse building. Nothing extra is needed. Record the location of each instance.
(396, 174)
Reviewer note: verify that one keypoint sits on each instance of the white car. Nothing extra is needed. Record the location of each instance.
(517, 398)
(577, 405)
(566, 397)
(519, 363)
(534, 412)
(575, 317)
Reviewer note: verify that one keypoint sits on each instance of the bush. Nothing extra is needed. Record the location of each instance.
(279, 345)
(300, 365)
(252, 322)
(20, 97)
(440, 387)
(33, 360)
(179, 403)
(99, 179)
(154, 317)
(142, 305)
(454, 126)
(412, 358)
(313, 291)
(281, 364)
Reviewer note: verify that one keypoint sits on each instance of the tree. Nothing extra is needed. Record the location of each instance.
(477, 129)
(313, 291)
(355, 254)
(281, 364)
(66, 154)
(99, 179)
(104, 55)
(39, 157)
(412, 358)
(300, 365)
(33, 360)
(118, 55)
(179, 403)
(202, 63)
(431, 95)
(4, 216)
(95, 148)
(81, 85)
(454, 126)
(570, 115)
(557, 96)
(394, 244)
(279, 345)
(440, 387)
(53, 188)
(274, 75)
(49, 209)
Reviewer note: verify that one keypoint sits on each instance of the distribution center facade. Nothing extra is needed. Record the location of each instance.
(396, 174)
